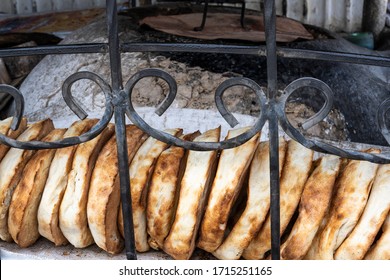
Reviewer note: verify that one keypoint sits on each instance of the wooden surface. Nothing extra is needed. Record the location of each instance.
(50, 22)
(32, 6)
(227, 26)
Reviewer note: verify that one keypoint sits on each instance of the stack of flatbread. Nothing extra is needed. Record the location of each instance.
(216, 201)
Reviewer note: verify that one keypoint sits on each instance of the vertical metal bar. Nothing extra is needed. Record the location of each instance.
(204, 17)
(270, 30)
(120, 128)
(242, 17)
(123, 165)
(113, 43)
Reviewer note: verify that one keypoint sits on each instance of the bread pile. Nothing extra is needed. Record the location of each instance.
(331, 208)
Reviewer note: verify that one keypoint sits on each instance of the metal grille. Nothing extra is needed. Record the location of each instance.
(119, 104)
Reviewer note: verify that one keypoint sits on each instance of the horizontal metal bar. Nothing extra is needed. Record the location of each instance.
(334, 56)
(374, 60)
(197, 48)
(259, 51)
(58, 49)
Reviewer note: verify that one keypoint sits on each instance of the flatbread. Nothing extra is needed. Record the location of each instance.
(353, 188)
(48, 211)
(5, 129)
(359, 241)
(313, 252)
(23, 211)
(257, 204)
(232, 168)
(104, 192)
(314, 204)
(140, 171)
(194, 190)
(296, 170)
(73, 210)
(11, 168)
(381, 249)
(163, 192)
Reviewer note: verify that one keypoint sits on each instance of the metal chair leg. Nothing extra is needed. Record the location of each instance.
(200, 28)
(242, 19)
(206, 4)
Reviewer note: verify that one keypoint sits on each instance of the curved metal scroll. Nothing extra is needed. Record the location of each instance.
(318, 145)
(199, 146)
(70, 101)
(78, 110)
(19, 105)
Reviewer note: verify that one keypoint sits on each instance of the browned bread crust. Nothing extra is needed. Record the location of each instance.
(141, 169)
(104, 192)
(232, 169)
(352, 190)
(195, 185)
(5, 129)
(23, 211)
(163, 192)
(381, 249)
(73, 210)
(257, 204)
(296, 170)
(11, 168)
(356, 245)
(315, 202)
(48, 211)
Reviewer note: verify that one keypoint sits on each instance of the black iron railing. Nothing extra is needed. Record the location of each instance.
(118, 104)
